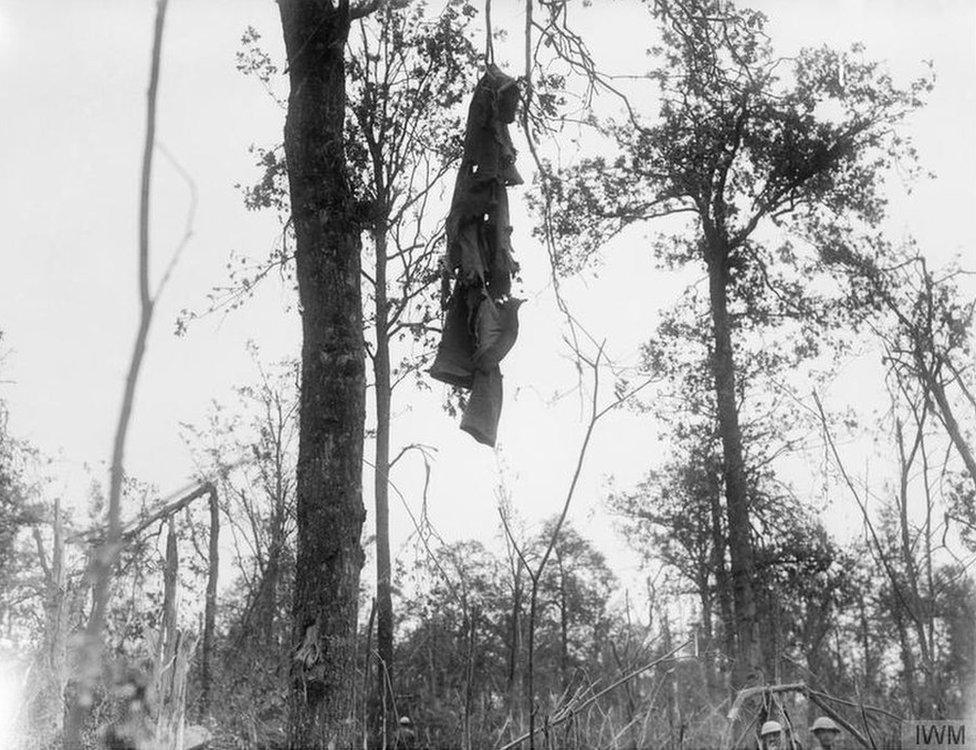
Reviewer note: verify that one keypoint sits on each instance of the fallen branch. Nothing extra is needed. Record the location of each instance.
(815, 698)
(572, 709)
(135, 527)
(858, 706)
(741, 697)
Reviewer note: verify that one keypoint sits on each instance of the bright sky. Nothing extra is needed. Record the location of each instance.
(72, 97)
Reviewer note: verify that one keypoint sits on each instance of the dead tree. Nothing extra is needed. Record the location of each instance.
(90, 657)
(210, 609)
(173, 652)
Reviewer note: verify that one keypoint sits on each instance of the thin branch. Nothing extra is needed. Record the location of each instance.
(135, 527)
(573, 709)
(859, 706)
(413, 446)
(864, 512)
(190, 216)
(815, 697)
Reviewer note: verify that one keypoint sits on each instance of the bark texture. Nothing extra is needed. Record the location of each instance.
(736, 489)
(330, 509)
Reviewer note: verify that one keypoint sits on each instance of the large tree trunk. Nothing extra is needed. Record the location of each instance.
(330, 509)
(384, 600)
(736, 493)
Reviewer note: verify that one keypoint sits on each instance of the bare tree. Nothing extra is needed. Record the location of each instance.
(90, 655)
(406, 131)
(535, 572)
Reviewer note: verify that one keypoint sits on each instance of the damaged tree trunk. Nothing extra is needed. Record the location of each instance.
(174, 649)
(210, 608)
(330, 511)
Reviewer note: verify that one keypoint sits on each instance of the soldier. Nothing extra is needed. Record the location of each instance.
(406, 737)
(826, 733)
(771, 736)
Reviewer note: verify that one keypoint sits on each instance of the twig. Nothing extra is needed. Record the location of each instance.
(536, 576)
(413, 446)
(188, 225)
(423, 539)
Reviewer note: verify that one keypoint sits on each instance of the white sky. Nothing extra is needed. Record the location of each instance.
(72, 97)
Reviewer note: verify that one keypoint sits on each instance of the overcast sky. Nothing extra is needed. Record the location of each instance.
(71, 132)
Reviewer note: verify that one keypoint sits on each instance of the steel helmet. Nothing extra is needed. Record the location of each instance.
(770, 727)
(822, 722)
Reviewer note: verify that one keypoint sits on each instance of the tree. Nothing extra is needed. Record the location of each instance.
(905, 618)
(674, 516)
(327, 222)
(925, 324)
(31, 574)
(249, 447)
(677, 515)
(740, 145)
(91, 657)
(573, 616)
(451, 645)
(407, 76)
(16, 498)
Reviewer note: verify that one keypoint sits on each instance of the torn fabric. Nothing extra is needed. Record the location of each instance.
(481, 318)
